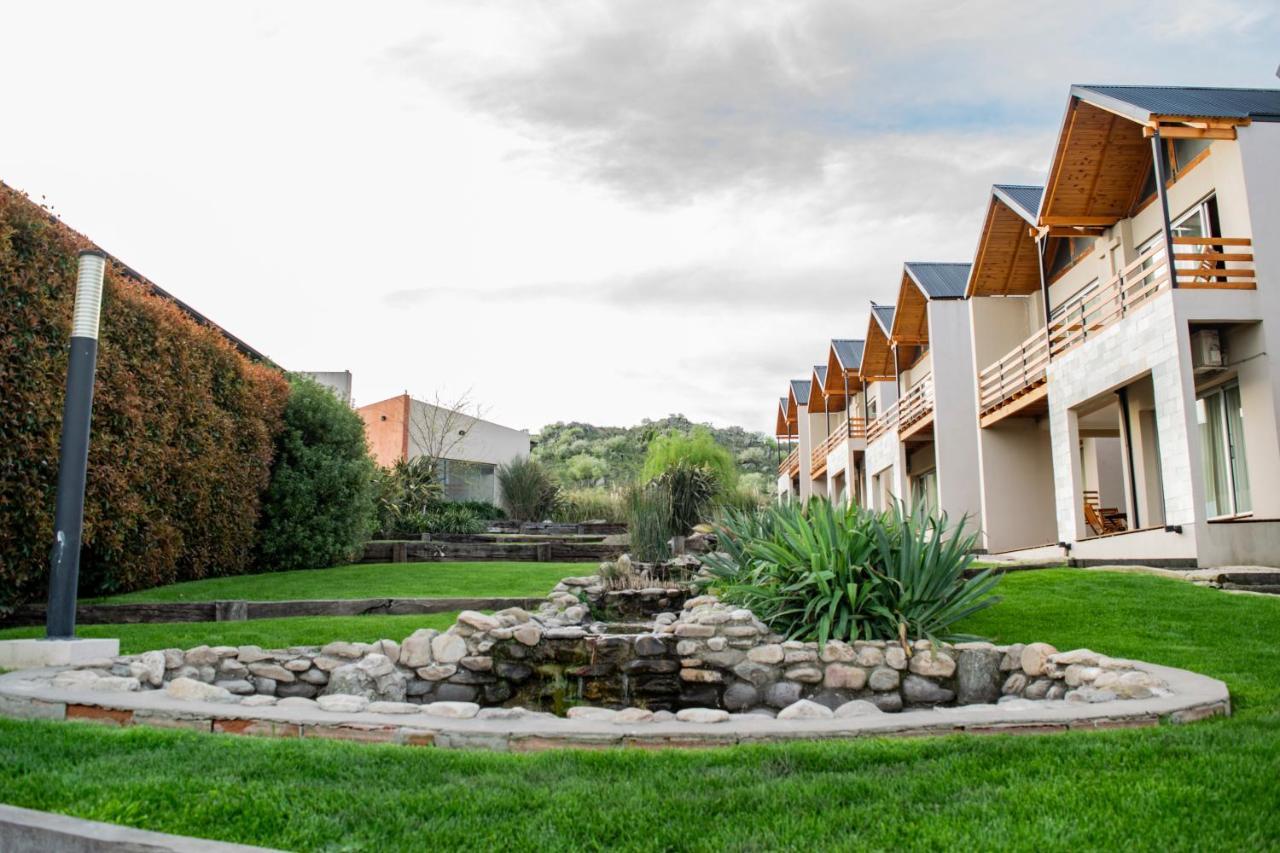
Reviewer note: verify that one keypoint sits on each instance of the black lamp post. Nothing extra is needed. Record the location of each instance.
(73, 458)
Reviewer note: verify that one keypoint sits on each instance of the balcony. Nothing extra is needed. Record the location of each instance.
(1017, 382)
(915, 411)
(852, 428)
(790, 466)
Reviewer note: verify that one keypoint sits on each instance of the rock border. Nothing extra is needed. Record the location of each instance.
(28, 694)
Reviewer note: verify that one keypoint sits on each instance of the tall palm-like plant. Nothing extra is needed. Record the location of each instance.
(821, 572)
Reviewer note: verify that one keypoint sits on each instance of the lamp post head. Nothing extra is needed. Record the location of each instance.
(84, 319)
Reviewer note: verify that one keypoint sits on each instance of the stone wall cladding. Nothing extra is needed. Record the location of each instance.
(710, 657)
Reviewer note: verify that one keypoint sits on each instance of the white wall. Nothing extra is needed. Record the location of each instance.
(955, 409)
(484, 441)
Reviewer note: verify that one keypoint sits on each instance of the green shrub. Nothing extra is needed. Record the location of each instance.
(183, 425)
(444, 518)
(319, 506)
(408, 488)
(693, 489)
(528, 493)
(649, 521)
(482, 509)
(820, 572)
(696, 449)
(577, 505)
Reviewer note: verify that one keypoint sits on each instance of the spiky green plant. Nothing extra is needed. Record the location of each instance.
(528, 492)
(820, 572)
(649, 521)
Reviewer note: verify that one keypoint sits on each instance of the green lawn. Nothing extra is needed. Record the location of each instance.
(1211, 785)
(268, 633)
(375, 580)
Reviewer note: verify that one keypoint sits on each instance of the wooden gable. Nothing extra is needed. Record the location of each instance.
(1098, 169)
(877, 354)
(839, 378)
(1007, 262)
(911, 317)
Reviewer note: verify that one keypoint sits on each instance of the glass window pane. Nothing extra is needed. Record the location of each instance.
(1235, 445)
(1212, 451)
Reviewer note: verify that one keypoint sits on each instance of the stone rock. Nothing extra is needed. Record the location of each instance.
(717, 644)
(265, 686)
(1134, 684)
(933, 664)
(837, 651)
(238, 686)
(805, 710)
(477, 663)
(342, 703)
(327, 664)
(201, 656)
(376, 665)
(687, 648)
(782, 693)
(197, 691)
(888, 702)
(174, 658)
(1090, 694)
(479, 621)
(73, 679)
(314, 676)
(921, 691)
(353, 680)
(726, 659)
(298, 664)
(843, 677)
(870, 656)
(800, 656)
(804, 674)
(388, 648)
(701, 676)
(453, 710)
(437, 671)
(528, 634)
(298, 688)
(690, 629)
(1057, 690)
(857, 708)
(633, 715)
(415, 651)
(1077, 674)
(884, 678)
(647, 645)
(344, 650)
(251, 654)
(702, 715)
(1012, 659)
(257, 700)
(740, 697)
(273, 671)
(1014, 684)
(151, 666)
(502, 713)
(1038, 689)
(233, 668)
(207, 674)
(447, 692)
(895, 657)
(1084, 657)
(978, 676)
(1035, 658)
(448, 648)
(756, 673)
(590, 712)
(393, 708)
(302, 702)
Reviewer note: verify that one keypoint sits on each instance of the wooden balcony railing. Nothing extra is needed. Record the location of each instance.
(853, 428)
(916, 405)
(1212, 263)
(791, 465)
(884, 422)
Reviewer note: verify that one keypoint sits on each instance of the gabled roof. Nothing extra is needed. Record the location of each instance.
(1007, 259)
(939, 281)
(1022, 199)
(849, 352)
(817, 389)
(783, 427)
(1150, 103)
(799, 394)
(877, 355)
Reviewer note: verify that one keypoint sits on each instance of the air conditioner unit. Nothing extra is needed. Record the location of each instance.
(1206, 351)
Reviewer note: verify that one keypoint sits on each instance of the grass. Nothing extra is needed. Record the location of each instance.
(268, 633)
(1210, 785)
(374, 580)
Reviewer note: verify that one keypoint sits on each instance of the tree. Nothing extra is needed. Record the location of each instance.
(319, 505)
(440, 425)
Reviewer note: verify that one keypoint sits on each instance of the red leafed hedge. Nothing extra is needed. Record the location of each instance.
(183, 425)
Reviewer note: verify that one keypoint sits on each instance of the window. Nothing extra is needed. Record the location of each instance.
(1177, 155)
(924, 492)
(873, 408)
(1067, 251)
(1223, 463)
(468, 481)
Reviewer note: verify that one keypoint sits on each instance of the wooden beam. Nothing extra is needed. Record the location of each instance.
(1180, 132)
(1101, 221)
(1076, 231)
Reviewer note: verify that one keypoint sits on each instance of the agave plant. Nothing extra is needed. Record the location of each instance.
(821, 572)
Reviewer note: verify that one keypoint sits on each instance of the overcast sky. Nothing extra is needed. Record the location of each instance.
(578, 211)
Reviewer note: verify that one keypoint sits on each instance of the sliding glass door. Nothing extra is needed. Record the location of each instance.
(1224, 467)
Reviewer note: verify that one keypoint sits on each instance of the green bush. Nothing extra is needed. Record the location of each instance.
(649, 521)
(408, 488)
(482, 509)
(183, 425)
(528, 492)
(444, 518)
(693, 489)
(319, 506)
(697, 449)
(577, 505)
(821, 572)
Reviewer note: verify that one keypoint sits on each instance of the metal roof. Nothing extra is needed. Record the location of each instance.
(940, 281)
(821, 371)
(849, 352)
(1142, 103)
(883, 315)
(1022, 199)
(800, 388)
